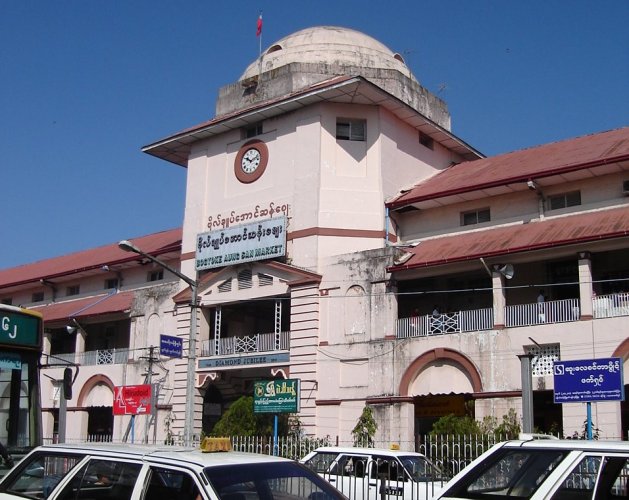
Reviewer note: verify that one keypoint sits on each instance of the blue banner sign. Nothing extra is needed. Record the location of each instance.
(170, 346)
(244, 361)
(588, 380)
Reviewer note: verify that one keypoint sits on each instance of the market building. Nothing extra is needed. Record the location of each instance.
(340, 234)
(343, 236)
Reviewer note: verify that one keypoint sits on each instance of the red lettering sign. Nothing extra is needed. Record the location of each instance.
(132, 400)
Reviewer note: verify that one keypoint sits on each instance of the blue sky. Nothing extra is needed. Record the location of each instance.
(85, 84)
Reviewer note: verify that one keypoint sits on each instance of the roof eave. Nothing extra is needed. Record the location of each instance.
(176, 148)
(512, 180)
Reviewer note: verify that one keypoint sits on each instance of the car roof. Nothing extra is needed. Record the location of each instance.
(366, 451)
(569, 444)
(179, 454)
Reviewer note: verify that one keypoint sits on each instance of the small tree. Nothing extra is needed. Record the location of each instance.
(510, 427)
(455, 425)
(365, 429)
(240, 420)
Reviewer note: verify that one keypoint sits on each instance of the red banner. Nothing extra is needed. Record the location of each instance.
(132, 400)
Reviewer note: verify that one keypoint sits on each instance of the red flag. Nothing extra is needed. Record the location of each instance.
(259, 28)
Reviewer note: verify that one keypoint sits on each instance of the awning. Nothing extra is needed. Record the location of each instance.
(538, 235)
(87, 307)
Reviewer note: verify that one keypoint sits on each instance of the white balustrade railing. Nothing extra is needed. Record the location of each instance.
(611, 306)
(552, 311)
(261, 342)
(477, 320)
(99, 357)
(441, 324)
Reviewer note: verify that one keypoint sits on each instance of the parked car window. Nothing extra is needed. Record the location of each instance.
(608, 475)
(321, 462)
(614, 481)
(169, 484)
(387, 468)
(268, 481)
(581, 481)
(38, 476)
(350, 465)
(102, 479)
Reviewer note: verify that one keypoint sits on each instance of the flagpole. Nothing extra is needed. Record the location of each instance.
(259, 33)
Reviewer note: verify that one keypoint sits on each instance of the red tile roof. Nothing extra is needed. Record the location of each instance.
(579, 228)
(94, 258)
(520, 166)
(87, 307)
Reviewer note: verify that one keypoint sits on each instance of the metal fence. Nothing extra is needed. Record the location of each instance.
(450, 453)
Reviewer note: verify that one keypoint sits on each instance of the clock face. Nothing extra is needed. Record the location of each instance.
(250, 161)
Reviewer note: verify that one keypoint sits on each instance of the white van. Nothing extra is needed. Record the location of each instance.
(370, 473)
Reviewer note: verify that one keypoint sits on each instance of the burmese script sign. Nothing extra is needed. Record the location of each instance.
(588, 380)
(250, 242)
(276, 396)
(170, 346)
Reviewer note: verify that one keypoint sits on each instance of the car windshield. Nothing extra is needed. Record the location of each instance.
(271, 481)
(509, 473)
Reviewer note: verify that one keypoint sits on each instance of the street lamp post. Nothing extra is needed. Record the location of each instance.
(127, 246)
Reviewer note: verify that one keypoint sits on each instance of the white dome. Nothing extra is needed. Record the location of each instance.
(329, 45)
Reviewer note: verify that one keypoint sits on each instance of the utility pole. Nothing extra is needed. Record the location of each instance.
(527, 391)
(148, 379)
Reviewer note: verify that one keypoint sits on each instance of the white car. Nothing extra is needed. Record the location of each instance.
(545, 469)
(370, 473)
(138, 472)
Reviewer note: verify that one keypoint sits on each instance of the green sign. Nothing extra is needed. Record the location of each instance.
(20, 329)
(276, 396)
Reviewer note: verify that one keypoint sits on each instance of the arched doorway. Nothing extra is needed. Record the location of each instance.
(441, 382)
(96, 398)
(100, 417)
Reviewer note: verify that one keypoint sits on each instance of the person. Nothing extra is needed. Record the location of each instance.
(102, 479)
(541, 298)
(6, 458)
(435, 321)
(414, 323)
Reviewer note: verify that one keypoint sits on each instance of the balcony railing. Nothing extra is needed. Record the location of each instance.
(555, 311)
(440, 324)
(261, 342)
(552, 311)
(611, 306)
(116, 356)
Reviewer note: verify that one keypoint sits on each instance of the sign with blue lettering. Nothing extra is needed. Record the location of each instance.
(170, 346)
(588, 380)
